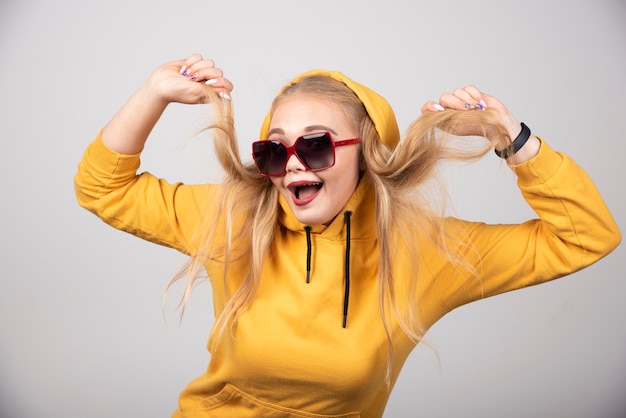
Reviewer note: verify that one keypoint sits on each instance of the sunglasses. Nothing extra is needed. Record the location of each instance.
(315, 151)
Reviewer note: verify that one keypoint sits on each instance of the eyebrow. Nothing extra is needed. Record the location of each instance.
(310, 128)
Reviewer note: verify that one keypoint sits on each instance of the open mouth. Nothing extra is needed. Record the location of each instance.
(305, 191)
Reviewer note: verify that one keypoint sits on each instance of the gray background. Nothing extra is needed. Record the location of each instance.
(82, 332)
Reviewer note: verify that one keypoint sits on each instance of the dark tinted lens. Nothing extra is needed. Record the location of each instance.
(270, 156)
(316, 151)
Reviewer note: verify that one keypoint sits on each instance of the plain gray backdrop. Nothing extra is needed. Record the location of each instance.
(82, 329)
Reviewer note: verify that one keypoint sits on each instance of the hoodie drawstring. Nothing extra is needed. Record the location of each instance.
(308, 253)
(346, 294)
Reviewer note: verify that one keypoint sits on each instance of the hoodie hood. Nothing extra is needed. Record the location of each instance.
(376, 106)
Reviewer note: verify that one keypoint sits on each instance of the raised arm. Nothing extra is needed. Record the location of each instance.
(107, 182)
(183, 81)
(574, 228)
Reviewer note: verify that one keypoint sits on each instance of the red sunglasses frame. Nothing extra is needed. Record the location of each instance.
(291, 150)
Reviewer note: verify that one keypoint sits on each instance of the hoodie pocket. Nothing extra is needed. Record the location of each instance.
(232, 402)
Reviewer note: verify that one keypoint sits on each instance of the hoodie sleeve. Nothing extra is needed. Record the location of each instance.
(107, 184)
(574, 230)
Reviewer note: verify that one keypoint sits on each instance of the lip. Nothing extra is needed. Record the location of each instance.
(302, 202)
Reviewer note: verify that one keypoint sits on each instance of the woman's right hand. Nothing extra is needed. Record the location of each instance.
(184, 81)
(188, 81)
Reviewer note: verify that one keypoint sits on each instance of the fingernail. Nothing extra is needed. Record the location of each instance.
(480, 106)
(211, 81)
(437, 106)
(193, 77)
(468, 106)
(483, 104)
(223, 95)
(183, 70)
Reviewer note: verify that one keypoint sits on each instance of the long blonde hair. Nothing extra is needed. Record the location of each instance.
(249, 202)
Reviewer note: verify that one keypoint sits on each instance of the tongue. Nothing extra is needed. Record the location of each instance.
(304, 192)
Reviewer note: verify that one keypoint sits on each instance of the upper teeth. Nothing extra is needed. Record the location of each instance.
(296, 190)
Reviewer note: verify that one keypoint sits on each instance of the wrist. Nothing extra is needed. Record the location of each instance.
(152, 95)
(520, 140)
(528, 151)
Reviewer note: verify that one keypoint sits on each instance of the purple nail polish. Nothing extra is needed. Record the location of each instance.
(479, 106)
(185, 73)
(468, 106)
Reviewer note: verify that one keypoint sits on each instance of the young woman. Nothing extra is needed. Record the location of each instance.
(327, 261)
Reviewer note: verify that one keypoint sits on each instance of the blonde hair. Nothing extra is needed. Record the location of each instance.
(249, 202)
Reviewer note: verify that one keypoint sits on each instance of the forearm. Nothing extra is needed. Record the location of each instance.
(574, 230)
(530, 148)
(129, 129)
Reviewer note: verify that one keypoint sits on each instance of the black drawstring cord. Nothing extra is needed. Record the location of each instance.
(308, 253)
(346, 294)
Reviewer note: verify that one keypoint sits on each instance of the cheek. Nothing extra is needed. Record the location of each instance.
(351, 166)
(276, 182)
(347, 173)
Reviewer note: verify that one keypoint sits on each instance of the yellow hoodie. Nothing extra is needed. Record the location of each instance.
(290, 355)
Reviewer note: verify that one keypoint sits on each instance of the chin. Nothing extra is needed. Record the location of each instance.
(310, 218)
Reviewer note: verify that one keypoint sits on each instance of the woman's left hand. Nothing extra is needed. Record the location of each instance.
(469, 98)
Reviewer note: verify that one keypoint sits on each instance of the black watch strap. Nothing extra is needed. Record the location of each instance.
(516, 145)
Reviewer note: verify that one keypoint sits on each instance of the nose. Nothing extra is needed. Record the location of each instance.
(294, 164)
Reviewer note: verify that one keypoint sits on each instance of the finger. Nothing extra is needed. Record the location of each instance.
(452, 101)
(477, 97)
(204, 74)
(432, 106)
(222, 86)
(211, 76)
(196, 61)
(220, 83)
(193, 59)
(228, 86)
(462, 99)
(198, 69)
(465, 97)
(201, 64)
(187, 63)
(473, 92)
